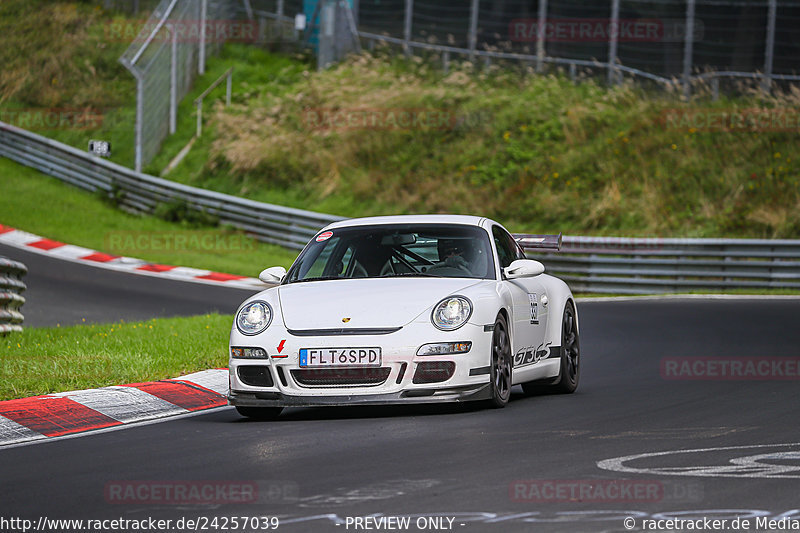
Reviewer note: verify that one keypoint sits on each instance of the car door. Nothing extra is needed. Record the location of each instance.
(529, 316)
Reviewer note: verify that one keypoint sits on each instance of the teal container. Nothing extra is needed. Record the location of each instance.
(309, 6)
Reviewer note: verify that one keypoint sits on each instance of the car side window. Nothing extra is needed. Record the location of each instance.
(506, 247)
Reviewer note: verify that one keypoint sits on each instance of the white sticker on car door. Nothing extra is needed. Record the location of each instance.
(534, 308)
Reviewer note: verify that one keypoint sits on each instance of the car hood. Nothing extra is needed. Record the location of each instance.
(368, 303)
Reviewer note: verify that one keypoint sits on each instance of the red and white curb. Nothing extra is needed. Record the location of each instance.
(35, 243)
(68, 413)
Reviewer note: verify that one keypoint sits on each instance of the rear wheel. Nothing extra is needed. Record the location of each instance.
(500, 369)
(260, 413)
(570, 370)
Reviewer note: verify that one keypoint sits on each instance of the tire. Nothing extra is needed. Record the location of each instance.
(570, 370)
(500, 367)
(260, 413)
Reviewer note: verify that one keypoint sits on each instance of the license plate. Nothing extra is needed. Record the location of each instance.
(321, 357)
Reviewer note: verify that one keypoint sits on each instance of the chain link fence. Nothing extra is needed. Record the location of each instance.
(691, 42)
(694, 45)
(165, 58)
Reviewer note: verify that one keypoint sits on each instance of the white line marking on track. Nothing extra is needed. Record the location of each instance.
(751, 466)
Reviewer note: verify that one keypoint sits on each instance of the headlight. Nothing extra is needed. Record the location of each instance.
(254, 318)
(444, 348)
(248, 353)
(451, 313)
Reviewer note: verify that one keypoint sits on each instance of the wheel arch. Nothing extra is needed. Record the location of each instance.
(559, 295)
(503, 311)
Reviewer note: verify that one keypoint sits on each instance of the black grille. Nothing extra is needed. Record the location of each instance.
(255, 376)
(341, 331)
(434, 371)
(341, 377)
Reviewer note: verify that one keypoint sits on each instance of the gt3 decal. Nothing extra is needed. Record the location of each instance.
(530, 356)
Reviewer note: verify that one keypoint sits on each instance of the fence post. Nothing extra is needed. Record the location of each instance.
(688, 46)
(139, 120)
(173, 80)
(199, 118)
(279, 9)
(473, 28)
(248, 9)
(201, 67)
(766, 82)
(407, 27)
(541, 22)
(613, 37)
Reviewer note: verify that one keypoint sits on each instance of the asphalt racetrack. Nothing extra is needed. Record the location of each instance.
(544, 463)
(66, 293)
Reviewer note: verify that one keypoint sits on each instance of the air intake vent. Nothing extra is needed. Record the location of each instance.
(340, 377)
(434, 371)
(255, 376)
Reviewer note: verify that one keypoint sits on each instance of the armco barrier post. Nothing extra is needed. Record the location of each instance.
(11, 299)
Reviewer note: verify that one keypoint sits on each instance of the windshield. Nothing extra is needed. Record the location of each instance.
(413, 250)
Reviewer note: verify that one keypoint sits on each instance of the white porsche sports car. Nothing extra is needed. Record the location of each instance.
(404, 309)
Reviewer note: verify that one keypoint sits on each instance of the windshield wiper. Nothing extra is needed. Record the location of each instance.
(401, 274)
(318, 278)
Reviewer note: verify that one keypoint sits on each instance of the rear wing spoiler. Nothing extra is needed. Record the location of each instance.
(538, 242)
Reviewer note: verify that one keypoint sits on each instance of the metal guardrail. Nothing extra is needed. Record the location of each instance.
(11, 299)
(140, 192)
(593, 264)
(642, 265)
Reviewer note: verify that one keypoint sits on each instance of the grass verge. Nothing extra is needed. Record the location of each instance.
(536, 152)
(45, 360)
(77, 217)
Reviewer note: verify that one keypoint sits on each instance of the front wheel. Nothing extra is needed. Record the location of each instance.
(260, 413)
(570, 370)
(500, 369)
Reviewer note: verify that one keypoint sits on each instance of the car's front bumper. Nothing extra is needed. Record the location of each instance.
(443, 394)
(469, 379)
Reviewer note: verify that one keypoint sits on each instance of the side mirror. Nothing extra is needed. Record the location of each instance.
(523, 268)
(272, 275)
